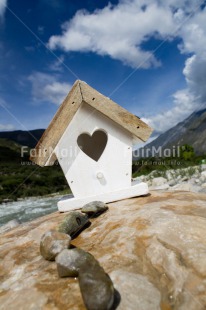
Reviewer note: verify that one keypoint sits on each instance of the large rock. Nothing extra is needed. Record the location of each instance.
(52, 243)
(159, 240)
(73, 223)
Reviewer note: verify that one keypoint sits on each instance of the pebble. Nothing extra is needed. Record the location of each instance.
(69, 262)
(73, 223)
(94, 208)
(172, 183)
(52, 243)
(96, 287)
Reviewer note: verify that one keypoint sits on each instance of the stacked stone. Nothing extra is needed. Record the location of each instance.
(96, 286)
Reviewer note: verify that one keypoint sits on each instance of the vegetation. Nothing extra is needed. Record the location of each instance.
(186, 158)
(20, 178)
(187, 152)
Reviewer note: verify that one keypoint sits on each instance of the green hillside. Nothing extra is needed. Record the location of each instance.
(20, 178)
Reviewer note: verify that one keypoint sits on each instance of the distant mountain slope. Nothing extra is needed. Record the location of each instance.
(28, 138)
(10, 151)
(19, 177)
(191, 131)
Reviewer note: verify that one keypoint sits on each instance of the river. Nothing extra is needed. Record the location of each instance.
(27, 209)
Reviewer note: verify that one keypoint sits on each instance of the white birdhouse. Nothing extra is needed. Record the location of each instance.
(92, 137)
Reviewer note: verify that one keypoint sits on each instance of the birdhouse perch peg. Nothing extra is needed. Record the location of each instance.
(91, 136)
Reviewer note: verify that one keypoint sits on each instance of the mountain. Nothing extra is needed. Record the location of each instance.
(9, 152)
(28, 138)
(20, 178)
(191, 131)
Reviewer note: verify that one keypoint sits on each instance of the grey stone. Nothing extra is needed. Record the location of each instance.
(156, 182)
(73, 223)
(203, 175)
(136, 180)
(202, 190)
(203, 167)
(69, 262)
(96, 287)
(182, 187)
(161, 187)
(193, 181)
(169, 175)
(142, 178)
(172, 182)
(94, 208)
(52, 243)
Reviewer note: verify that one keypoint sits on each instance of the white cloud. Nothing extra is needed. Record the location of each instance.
(40, 29)
(29, 48)
(47, 88)
(194, 96)
(6, 127)
(119, 31)
(185, 100)
(184, 105)
(195, 74)
(142, 144)
(57, 64)
(193, 34)
(3, 4)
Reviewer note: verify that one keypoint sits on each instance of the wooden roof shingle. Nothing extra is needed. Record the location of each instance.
(83, 93)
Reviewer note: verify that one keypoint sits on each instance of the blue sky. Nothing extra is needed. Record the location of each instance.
(147, 55)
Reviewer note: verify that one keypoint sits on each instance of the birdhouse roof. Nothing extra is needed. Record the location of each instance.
(83, 93)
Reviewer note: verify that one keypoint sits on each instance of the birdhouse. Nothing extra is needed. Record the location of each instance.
(92, 137)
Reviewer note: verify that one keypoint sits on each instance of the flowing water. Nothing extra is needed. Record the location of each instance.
(28, 209)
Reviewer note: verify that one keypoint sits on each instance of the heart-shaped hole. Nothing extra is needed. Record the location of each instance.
(93, 146)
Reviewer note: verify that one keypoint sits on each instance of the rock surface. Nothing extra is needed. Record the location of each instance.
(158, 241)
(94, 208)
(52, 243)
(136, 291)
(73, 223)
(10, 225)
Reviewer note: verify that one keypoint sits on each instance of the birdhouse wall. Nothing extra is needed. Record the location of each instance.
(110, 169)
